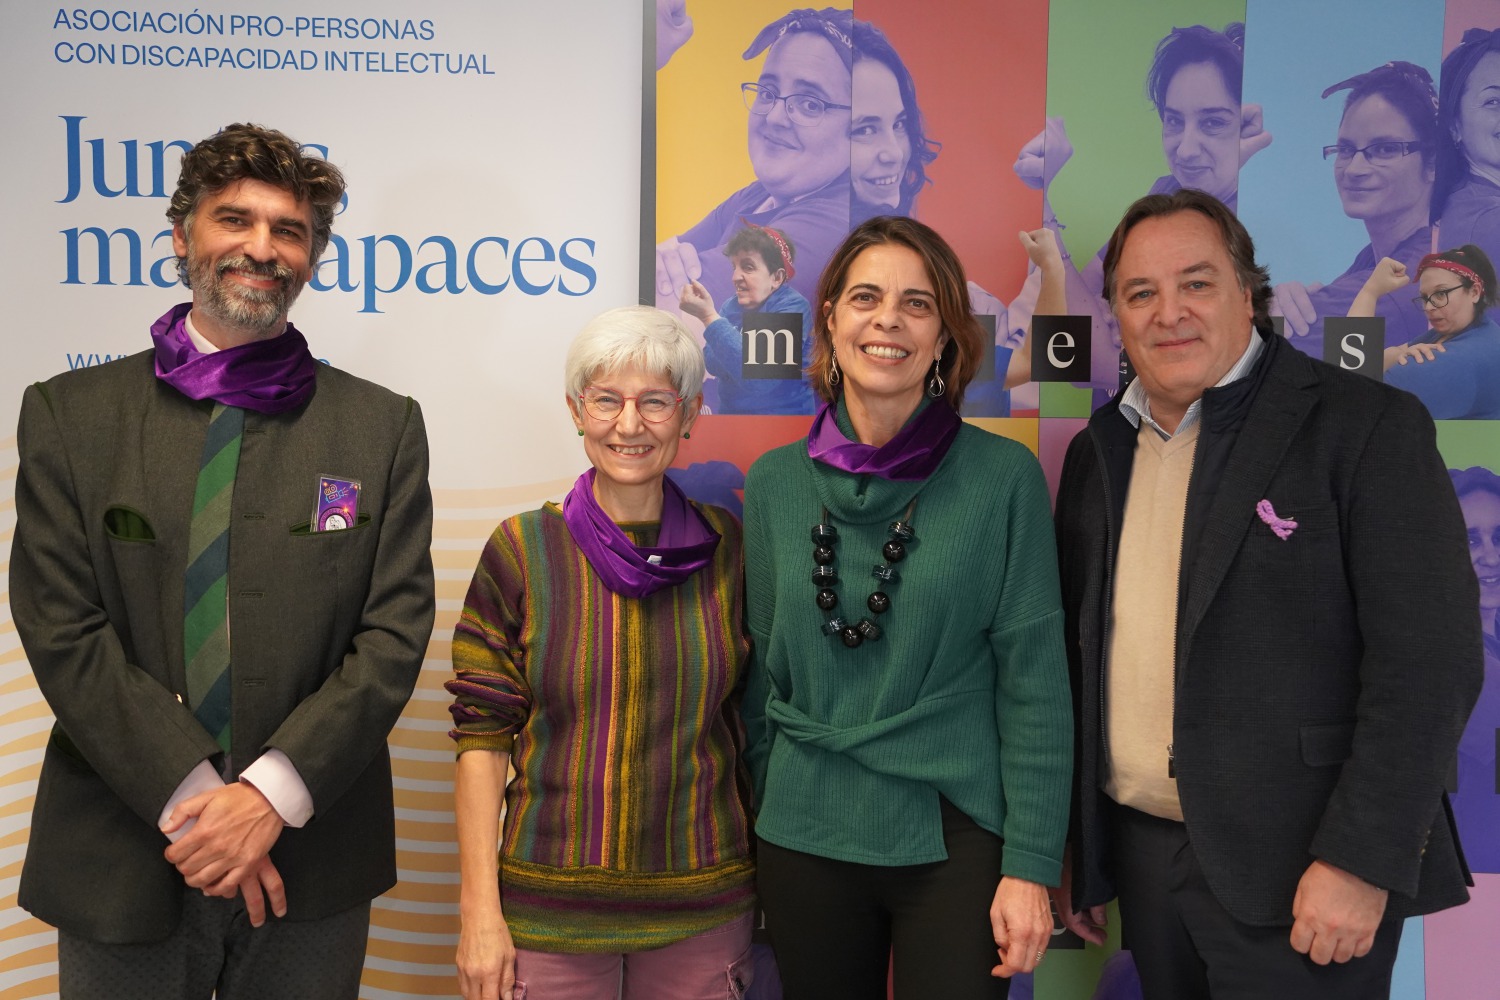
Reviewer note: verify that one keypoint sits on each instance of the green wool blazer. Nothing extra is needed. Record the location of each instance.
(328, 631)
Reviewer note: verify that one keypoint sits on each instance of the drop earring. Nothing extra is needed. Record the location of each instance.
(935, 385)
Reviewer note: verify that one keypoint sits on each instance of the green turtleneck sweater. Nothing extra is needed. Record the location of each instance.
(965, 695)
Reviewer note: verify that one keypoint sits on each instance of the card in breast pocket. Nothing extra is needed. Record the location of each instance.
(338, 504)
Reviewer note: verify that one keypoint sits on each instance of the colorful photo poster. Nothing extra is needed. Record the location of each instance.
(1139, 100)
(1471, 450)
(1462, 962)
(778, 130)
(1476, 806)
(1462, 380)
(967, 86)
(711, 466)
(753, 120)
(1466, 192)
(1351, 99)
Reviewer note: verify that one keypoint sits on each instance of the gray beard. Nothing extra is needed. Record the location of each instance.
(254, 310)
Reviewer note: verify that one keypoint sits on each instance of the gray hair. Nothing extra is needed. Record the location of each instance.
(642, 335)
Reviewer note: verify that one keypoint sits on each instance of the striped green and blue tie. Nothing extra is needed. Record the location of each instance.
(206, 594)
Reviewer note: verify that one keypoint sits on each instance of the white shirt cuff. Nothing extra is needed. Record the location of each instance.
(203, 778)
(275, 777)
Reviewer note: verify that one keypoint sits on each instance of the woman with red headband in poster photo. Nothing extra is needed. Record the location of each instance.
(761, 262)
(1454, 368)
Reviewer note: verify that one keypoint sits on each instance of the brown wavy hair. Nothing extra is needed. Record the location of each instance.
(251, 152)
(965, 347)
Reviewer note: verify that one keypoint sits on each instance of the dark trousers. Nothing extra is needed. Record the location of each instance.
(1187, 946)
(835, 923)
(214, 948)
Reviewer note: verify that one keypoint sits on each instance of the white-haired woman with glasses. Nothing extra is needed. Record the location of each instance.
(598, 654)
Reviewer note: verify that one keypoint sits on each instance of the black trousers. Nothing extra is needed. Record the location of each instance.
(1188, 947)
(835, 923)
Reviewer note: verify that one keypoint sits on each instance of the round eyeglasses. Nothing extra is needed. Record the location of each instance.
(1383, 151)
(654, 406)
(802, 109)
(1438, 297)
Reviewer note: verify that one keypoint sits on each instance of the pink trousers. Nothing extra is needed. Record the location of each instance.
(714, 965)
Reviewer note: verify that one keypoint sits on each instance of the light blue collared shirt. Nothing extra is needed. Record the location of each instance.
(1135, 406)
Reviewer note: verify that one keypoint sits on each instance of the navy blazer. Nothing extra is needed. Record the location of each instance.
(1322, 680)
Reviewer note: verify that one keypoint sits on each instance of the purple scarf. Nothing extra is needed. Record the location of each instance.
(914, 453)
(685, 544)
(267, 376)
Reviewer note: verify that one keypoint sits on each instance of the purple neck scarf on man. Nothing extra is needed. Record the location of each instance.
(267, 376)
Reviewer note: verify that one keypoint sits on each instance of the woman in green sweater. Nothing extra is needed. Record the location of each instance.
(909, 727)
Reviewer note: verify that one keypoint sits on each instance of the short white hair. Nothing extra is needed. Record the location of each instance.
(641, 335)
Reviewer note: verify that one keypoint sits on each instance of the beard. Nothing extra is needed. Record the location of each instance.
(255, 310)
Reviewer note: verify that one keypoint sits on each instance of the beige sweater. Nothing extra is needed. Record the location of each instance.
(1139, 677)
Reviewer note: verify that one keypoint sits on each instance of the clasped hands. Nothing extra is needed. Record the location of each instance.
(227, 850)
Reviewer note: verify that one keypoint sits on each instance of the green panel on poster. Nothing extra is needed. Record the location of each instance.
(1466, 443)
(1071, 974)
(1098, 55)
(1059, 399)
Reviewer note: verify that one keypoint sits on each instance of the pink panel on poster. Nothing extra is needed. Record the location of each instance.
(981, 77)
(1460, 15)
(1462, 961)
(1052, 446)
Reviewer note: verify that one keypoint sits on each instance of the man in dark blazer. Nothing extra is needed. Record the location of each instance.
(1270, 613)
(163, 833)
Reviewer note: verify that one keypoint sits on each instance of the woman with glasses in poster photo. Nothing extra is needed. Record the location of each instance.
(797, 119)
(1454, 368)
(1383, 166)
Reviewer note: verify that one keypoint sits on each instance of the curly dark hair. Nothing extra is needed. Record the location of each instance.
(870, 43)
(757, 239)
(1476, 260)
(1476, 479)
(240, 152)
(1452, 163)
(1225, 50)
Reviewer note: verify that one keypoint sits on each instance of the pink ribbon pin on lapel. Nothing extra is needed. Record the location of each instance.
(1283, 527)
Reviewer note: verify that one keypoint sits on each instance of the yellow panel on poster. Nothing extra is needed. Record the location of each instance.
(701, 132)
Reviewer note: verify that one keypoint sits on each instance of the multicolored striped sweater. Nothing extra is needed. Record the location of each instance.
(625, 826)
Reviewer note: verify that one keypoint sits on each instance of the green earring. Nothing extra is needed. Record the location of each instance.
(580, 432)
(686, 435)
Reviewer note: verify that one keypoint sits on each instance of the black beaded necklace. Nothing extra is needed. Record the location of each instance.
(825, 577)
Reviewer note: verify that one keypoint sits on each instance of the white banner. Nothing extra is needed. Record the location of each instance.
(492, 153)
